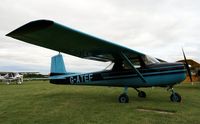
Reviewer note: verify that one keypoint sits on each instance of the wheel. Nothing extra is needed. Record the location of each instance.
(142, 94)
(175, 97)
(123, 98)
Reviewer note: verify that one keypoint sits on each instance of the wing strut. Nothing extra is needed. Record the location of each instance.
(136, 70)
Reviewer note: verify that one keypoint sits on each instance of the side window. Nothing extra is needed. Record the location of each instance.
(135, 61)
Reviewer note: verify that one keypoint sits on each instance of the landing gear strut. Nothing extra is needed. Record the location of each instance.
(175, 97)
(141, 94)
(123, 98)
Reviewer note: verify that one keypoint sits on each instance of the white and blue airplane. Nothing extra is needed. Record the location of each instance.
(131, 68)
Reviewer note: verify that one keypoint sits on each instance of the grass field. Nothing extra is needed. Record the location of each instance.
(43, 103)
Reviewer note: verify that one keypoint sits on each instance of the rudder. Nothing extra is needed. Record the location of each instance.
(57, 65)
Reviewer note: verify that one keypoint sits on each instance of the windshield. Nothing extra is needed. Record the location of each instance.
(149, 60)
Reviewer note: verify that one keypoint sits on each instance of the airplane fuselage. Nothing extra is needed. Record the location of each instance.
(162, 74)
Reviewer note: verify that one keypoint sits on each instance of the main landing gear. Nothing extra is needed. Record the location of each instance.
(123, 98)
(141, 94)
(175, 97)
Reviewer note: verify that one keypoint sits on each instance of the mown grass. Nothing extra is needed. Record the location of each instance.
(43, 103)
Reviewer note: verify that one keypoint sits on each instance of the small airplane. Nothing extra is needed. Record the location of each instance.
(12, 77)
(130, 68)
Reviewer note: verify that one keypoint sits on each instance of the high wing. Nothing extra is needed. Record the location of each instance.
(52, 35)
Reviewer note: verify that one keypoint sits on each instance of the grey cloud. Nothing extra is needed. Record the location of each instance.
(157, 27)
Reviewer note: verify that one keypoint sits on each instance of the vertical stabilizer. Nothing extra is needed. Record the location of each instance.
(57, 65)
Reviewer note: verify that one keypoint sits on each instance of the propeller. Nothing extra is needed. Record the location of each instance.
(187, 66)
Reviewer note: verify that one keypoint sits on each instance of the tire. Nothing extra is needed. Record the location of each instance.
(123, 98)
(175, 97)
(142, 94)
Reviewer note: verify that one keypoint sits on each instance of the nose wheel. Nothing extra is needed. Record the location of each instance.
(175, 97)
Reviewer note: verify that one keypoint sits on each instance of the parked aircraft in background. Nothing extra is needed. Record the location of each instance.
(130, 69)
(10, 77)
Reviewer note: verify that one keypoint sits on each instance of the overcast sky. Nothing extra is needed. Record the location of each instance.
(159, 28)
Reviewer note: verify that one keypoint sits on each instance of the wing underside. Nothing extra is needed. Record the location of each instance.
(57, 37)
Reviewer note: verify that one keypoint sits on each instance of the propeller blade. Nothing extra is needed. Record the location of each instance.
(187, 66)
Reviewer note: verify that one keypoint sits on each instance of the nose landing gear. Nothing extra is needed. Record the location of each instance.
(175, 97)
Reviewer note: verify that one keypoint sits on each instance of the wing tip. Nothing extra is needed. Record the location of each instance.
(31, 27)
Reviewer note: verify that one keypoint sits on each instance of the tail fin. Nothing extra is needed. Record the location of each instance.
(57, 65)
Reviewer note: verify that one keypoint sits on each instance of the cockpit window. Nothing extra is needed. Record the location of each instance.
(123, 65)
(149, 60)
(138, 62)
